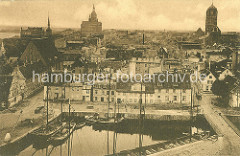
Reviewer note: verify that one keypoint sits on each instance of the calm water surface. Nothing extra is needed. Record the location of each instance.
(8, 34)
(99, 140)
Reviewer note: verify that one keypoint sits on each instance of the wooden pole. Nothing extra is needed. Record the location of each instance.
(47, 105)
(140, 123)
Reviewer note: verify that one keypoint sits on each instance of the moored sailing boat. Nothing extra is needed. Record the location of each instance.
(62, 135)
(46, 131)
(110, 121)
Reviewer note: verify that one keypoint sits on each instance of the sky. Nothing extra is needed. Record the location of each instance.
(121, 14)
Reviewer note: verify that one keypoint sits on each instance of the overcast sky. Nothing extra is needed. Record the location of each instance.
(121, 14)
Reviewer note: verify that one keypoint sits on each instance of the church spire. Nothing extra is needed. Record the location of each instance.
(48, 30)
(48, 20)
(93, 7)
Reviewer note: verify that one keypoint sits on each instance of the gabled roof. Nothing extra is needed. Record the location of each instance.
(46, 48)
(207, 72)
(29, 68)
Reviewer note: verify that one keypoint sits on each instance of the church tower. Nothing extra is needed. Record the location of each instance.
(93, 16)
(49, 30)
(211, 19)
(211, 28)
(91, 27)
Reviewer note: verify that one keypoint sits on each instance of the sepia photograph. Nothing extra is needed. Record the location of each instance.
(119, 77)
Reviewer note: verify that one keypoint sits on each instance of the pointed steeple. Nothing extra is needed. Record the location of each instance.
(48, 30)
(3, 51)
(93, 16)
(48, 21)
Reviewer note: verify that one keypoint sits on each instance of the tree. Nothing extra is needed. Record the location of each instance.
(221, 89)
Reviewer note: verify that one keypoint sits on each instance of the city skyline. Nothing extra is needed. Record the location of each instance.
(124, 14)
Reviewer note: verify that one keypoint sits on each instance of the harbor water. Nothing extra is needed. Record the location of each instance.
(102, 140)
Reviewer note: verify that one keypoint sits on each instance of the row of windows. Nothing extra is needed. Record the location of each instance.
(104, 86)
(174, 91)
(210, 82)
(102, 99)
(175, 98)
(103, 92)
(119, 100)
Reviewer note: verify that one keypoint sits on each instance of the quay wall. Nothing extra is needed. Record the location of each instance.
(162, 117)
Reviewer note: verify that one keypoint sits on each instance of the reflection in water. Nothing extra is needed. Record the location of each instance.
(102, 140)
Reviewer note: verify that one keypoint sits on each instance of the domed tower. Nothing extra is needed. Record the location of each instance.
(211, 19)
(93, 16)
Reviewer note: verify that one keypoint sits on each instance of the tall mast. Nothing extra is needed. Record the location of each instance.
(140, 123)
(140, 114)
(109, 95)
(47, 104)
(69, 105)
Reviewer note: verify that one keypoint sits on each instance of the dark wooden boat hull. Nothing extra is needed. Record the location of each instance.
(59, 139)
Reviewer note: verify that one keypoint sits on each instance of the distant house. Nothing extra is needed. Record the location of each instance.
(163, 52)
(36, 32)
(224, 74)
(208, 81)
(75, 44)
(143, 65)
(32, 32)
(175, 92)
(17, 87)
(130, 92)
(40, 50)
(217, 55)
(103, 92)
(199, 32)
(73, 91)
(189, 45)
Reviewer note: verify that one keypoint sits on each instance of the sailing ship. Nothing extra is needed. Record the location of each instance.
(62, 135)
(46, 131)
(92, 119)
(110, 121)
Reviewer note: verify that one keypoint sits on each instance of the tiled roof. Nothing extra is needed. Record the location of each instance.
(46, 48)
(29, 68)
(112, 64)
